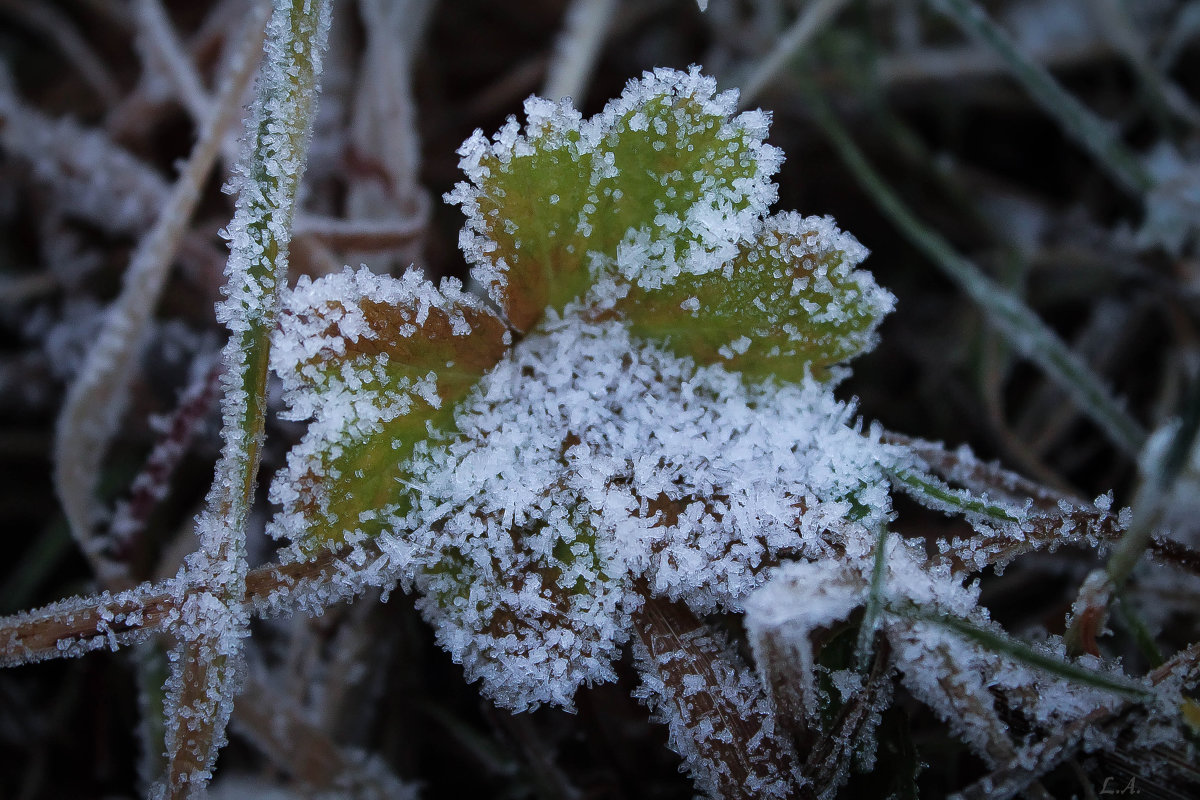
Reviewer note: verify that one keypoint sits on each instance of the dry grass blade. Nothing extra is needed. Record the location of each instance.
(98, 397)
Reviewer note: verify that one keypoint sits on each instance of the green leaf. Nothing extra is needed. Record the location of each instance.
(663, 181)
(378, 364)
(789, 303)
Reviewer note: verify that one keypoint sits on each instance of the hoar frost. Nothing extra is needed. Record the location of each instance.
(587, 462)
(664, 430)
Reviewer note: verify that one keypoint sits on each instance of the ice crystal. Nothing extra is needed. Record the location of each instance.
(587, 460)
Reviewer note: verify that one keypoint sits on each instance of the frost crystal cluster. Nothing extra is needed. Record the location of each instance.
(649, 415)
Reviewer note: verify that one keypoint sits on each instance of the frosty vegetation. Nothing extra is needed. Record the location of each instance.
(651, 421)
(629, 445)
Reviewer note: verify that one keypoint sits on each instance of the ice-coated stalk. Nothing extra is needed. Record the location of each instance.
(205, 661)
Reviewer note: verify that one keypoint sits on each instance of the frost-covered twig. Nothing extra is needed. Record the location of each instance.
(1097, 729)
(204, 672)
(151, 485)
(97, 399)
(74, 626)
(1095, 135)
(575, 51)
(1007, 312)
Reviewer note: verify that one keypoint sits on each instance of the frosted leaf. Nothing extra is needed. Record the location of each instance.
(719, 719)
(371, 361)
(1010, 514)
(533, 613)
(586, 461)
(959, 679)
(790, 302)
(663, 181)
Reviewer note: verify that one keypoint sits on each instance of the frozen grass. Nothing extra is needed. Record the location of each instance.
(1043, 156)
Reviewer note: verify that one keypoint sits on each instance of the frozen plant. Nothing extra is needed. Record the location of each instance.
(634, 432)
(650, 415)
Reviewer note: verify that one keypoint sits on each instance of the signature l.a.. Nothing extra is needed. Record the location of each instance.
(1111, 787)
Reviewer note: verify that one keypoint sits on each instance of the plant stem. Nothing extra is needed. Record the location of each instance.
(999, 642)
(205, 662)
(875, 597)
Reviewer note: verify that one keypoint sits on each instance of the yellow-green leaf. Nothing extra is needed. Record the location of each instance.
(663, 181)
(377, 364)
(790, 302)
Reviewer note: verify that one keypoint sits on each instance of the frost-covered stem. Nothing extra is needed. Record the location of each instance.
(205, 661)
(1011, 779)
(78, 625)
(1094, 134)
(96, 400)
(997, 642)
(1016, 321)
(875, 595)
(810, 22)
(963, 467)
(575, 52)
